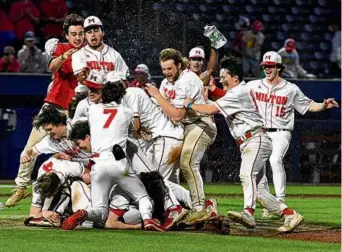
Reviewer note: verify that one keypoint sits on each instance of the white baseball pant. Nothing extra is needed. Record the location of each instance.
(105, 173)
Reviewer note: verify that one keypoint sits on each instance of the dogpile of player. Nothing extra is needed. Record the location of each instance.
(118, 151)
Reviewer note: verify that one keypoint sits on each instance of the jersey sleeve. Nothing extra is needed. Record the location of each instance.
(120, 64)
(78, 61)
(37, 198)
(45, 146)
(81, 110)
(229, 104)
(131, 101)
(301, 102)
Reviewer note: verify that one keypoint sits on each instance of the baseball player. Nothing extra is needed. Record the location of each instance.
(96, 54)
(58, 187)
(57, 126)
(106, 138)
(200, 131)
(240, 110)
(61, 93)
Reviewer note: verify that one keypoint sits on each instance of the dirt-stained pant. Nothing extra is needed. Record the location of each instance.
(198, 137)
(25, 170)
(24, 173)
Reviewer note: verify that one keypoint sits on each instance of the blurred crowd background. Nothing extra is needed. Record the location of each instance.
(307, 34)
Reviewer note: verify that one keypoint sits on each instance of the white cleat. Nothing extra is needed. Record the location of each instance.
(244, 217)
(291, 222)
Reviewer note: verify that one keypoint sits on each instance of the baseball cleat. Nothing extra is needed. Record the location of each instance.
(194, 217)
(18, 194)
(291, 222)
(74, 220)
(174, 214)
(244, 217)
(211, 207)
(152, 225)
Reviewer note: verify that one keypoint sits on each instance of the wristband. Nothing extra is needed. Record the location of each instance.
(189, 105)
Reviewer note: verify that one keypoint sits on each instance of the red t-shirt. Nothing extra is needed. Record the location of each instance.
(56, 10)
(6, 67)
(64, 80)
(5, 24)
(24, 24)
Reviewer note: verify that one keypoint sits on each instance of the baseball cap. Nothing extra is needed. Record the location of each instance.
(95, 79)
(196, 52)
(92, 21)
(29, 36)
(50, 46)
(257, 26)
(81, 88)
(9, 50)
(142, 68)
(290, 44)
(271, 58)
(115, 76)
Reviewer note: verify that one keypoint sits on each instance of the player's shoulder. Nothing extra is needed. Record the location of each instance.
(134, 90)
(254, 83)
(109, 49)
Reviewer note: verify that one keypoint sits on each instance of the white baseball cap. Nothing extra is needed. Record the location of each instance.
(50, 46)
(142, 68)
(92, 21)
(95, 79)
(115, 76)
(196, 52)
(271, 58)
(81, 88)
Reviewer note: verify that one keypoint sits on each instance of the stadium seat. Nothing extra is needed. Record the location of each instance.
(219, 17)
(286, 27)
(226, 8)
(322, 3)
(267, 18)
(319, 55)
(328, 36)
(203, 8)
(180, 7)
(308, 27)
(281, 35)
(276, 46)
(250, 8)
(324, 46)
(314, 19)
(305, 36)
(273, 9)
(290, 18)
(196, 16)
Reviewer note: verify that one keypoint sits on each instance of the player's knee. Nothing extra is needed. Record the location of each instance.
(276, 162)
(245, 178)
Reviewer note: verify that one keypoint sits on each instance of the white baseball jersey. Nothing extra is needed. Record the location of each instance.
(82, 109)
(64, 169)
(276, 103)
(109, 125)
(152, 119)
(240, 110)
(187, 85)
(108, 60)
(47, 145)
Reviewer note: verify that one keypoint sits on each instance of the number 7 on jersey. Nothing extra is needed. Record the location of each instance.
(112, 114)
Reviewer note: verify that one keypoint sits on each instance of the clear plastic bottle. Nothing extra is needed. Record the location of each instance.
(216, 37)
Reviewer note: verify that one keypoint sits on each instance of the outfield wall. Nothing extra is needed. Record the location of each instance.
(25, 93)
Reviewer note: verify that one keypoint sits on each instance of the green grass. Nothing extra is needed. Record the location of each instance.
(317, 211)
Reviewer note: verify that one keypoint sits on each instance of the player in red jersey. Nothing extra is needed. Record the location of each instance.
(59, 94)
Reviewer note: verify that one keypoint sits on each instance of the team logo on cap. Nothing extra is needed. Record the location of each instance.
(268, 57)
(91, 20)
(92, 77)
(197, 52)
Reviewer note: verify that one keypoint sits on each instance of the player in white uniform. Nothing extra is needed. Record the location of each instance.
(277, 100)
(96, 54)
(245, 123)
(58, 182)
(200, 131)
(109, 123)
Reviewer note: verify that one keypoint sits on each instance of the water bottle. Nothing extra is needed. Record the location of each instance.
(216, 37)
